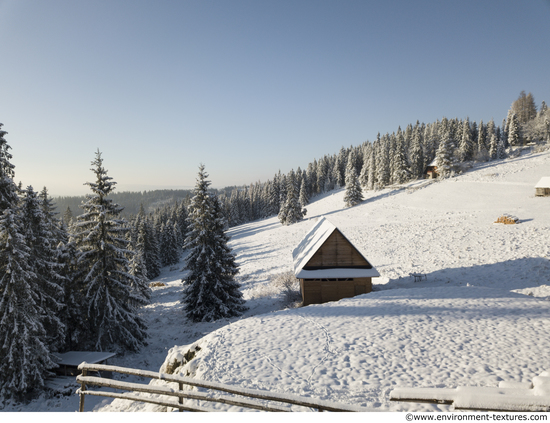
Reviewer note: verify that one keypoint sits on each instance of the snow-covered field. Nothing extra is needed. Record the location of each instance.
(481, 317)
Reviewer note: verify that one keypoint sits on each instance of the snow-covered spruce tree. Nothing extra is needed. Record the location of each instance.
(110, 303)
(48, 283)
(138, 270)
(312, 179)
(303, 200)
(163, 245)
(383, 163)
(353, 194)
(340, 166)
(416, 154)
(24, 355)
(291, 211)
(210, 290)
(493, 146)
(72, 315)
(282, 191)
(364, 175)
(504, 133)
(371, 179)
(181, 220)
(399, 160)
(151, 253)
(466, 146)
(431, 143)
(538, 128)
(444, 156)
(53, 223)
(68, 217)
(392, 153)
(514, 135)
(169, 249)
(65, 259)
(501, 150)
(8, 189)
(482, 152)
(321, 175)
(274, 195)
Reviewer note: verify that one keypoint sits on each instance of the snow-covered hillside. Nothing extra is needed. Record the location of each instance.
(475, 321)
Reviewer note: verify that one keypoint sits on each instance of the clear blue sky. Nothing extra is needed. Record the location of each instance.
(248, 87)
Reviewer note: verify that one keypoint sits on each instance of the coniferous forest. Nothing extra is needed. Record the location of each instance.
(75, 277)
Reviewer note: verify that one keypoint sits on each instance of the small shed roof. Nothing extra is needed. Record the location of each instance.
(311, 243)
(74, 358)
(544, 182)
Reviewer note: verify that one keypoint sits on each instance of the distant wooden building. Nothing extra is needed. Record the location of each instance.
(542, 189)
(329, 267)
(431, 170)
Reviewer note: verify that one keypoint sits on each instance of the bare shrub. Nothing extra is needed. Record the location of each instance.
(260, 290)
(289, 286)
(539, 148)
(513, 152)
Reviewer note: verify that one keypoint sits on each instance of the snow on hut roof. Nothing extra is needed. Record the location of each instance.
(544, 182)
(74, 358)
(311, 243)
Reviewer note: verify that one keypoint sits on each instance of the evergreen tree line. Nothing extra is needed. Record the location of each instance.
(133, 202)
(391, 159)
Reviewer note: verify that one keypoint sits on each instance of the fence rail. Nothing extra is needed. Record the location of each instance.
(180, 394)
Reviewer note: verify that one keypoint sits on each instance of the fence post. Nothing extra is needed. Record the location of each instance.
(82, 388)
(181, 398)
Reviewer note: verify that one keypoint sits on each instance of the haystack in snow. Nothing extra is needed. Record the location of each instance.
(542, 189)
(507, 219)
(329, 267)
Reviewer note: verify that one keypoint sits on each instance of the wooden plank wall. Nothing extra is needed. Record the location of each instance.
(336, 251)
(542, 192)
(322, 291)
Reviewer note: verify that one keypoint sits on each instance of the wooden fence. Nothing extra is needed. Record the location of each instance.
(165, 391)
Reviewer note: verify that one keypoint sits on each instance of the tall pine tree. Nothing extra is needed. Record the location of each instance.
(24, 355)
(111, 312)
(353, 194)
(291, 211)
(210, 289)
(25, 359)
(49, 281)
(444, 156)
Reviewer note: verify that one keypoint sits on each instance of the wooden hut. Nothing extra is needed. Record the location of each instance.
(431, 170)
(542, 189)
(329, 267)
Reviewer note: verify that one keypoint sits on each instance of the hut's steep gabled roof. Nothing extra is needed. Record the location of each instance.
(312, 242)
